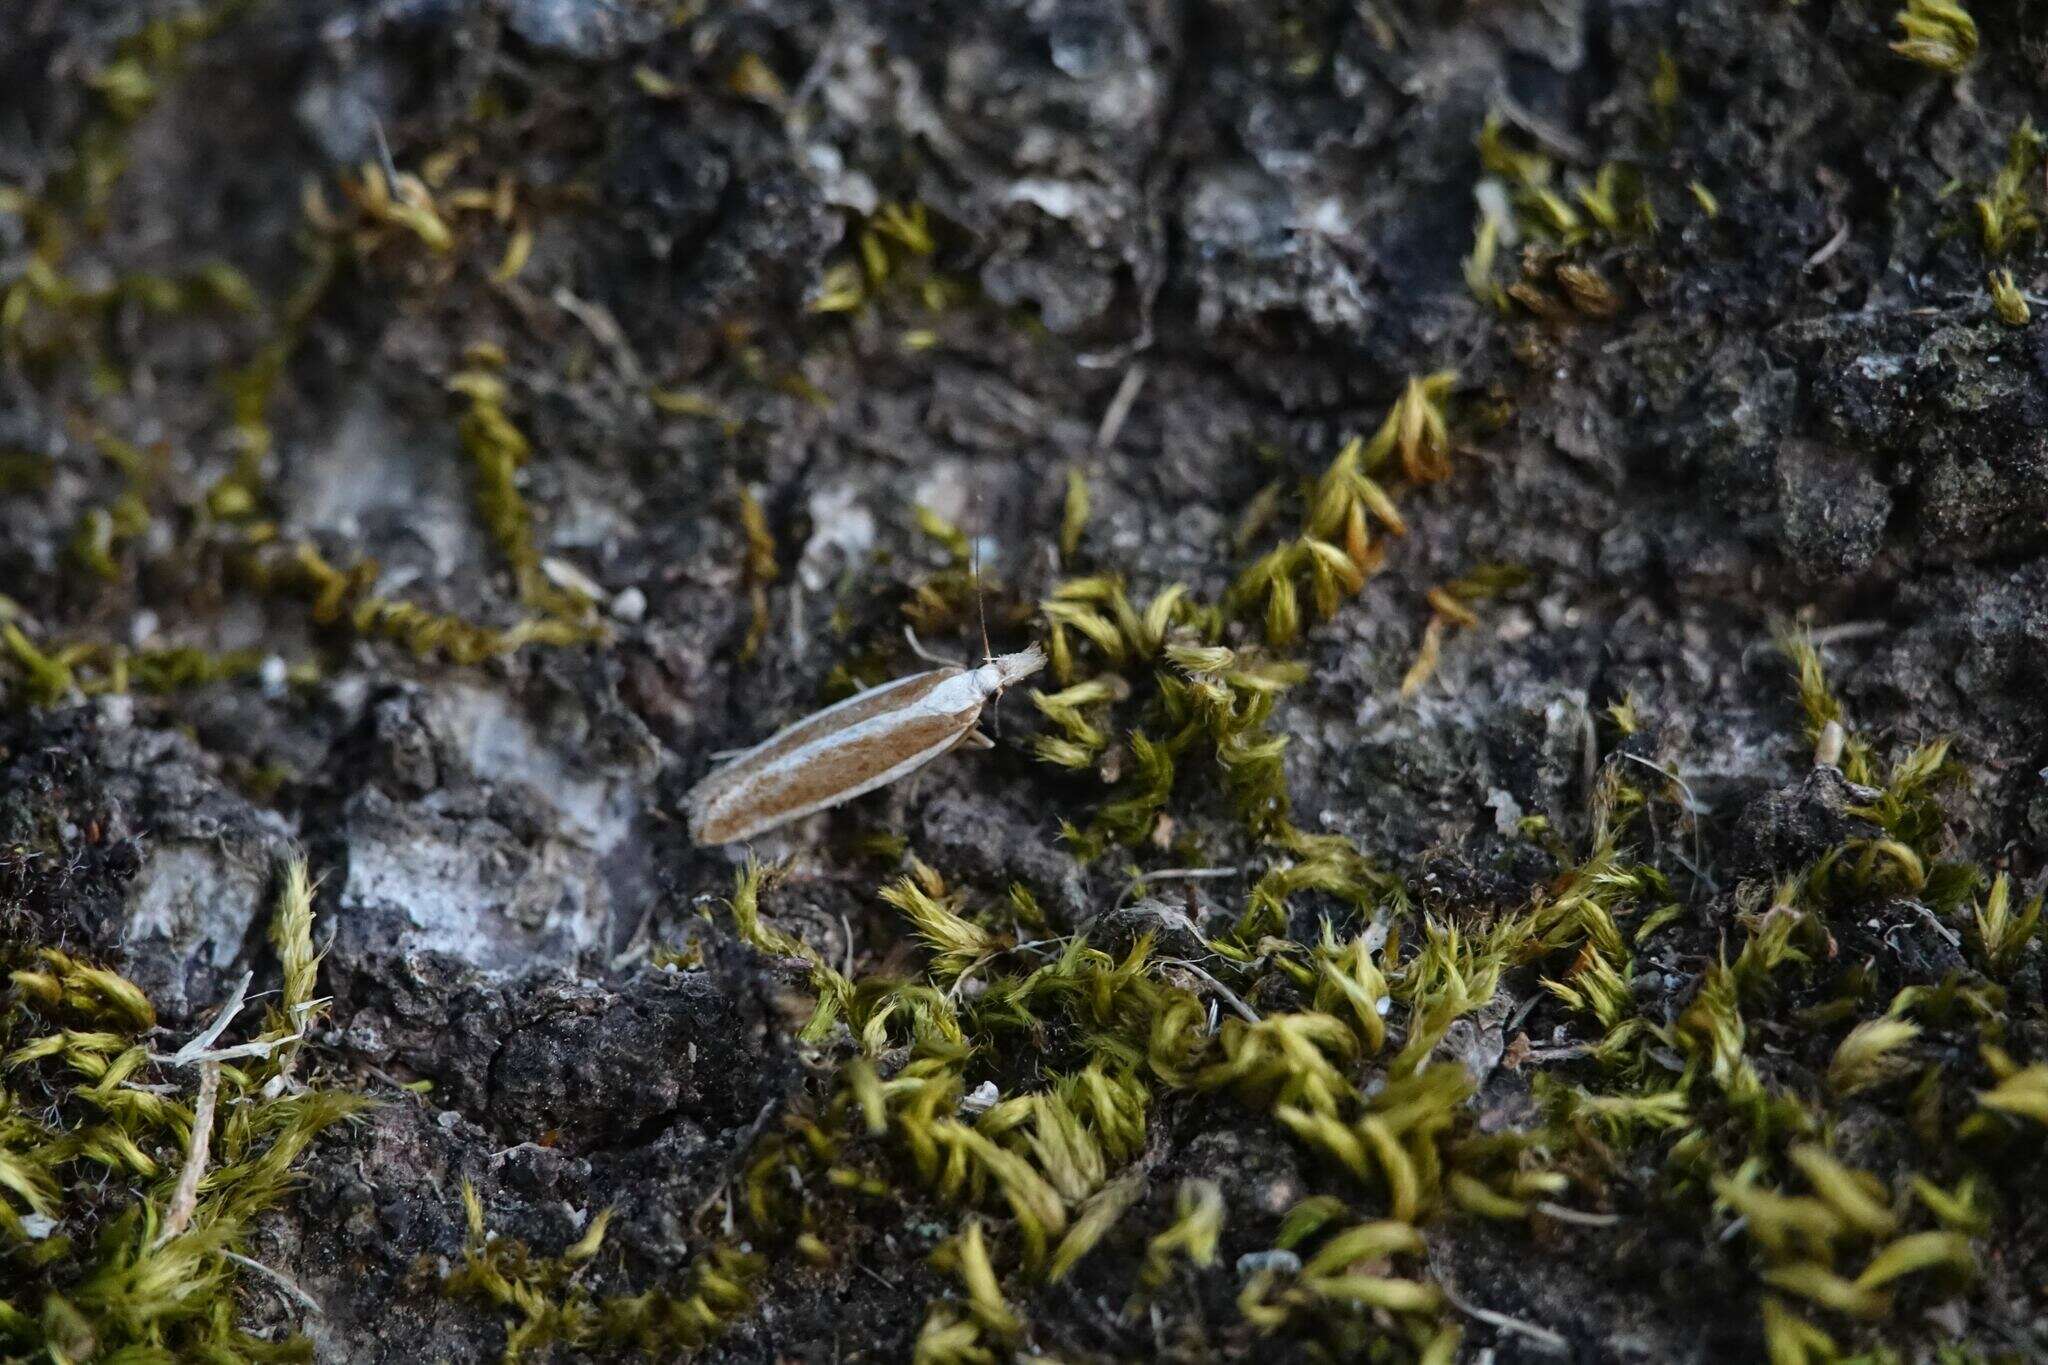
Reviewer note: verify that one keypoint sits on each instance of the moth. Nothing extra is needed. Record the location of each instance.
(867, 741)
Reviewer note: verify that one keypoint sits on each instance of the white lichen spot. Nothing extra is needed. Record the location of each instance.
(842, 536)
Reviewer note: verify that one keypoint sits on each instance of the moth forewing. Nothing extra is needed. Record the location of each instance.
(867, 741)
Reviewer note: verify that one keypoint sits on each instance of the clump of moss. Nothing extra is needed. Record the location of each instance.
(2008, 212)
(951, 1336)
(1197, 697)
(2007, 303)
(125, 1210)
(1939, 34)
(393, 208)
(348, 598)
(556, 1307)
(1559, 219)
(1735, 1129)
(103, 542)
(498, 450)
(896, 254)
(1336, 551)
(1337, 1041)
(48, 675)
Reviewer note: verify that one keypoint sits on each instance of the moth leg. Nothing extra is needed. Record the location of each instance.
(917, 648)
(975, 739)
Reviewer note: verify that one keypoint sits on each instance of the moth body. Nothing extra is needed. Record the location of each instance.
(867, 741)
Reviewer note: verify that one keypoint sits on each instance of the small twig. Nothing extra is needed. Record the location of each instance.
(1523, 1010)
(1955, 940)
(599, 322)
(1542, 1336)
(1692, 808)
(1229, 997)
(278, 1278)
(960, 981)
(1829, 248)
(1692, 803)
(1192, 874)
(1119, 410)
(930, 657)
(1589, 751)
(723, 1189)
(185, 1199)
(799, 639)
(1544, 131)
(393, 1081)
(813, 79)
(1584, 1219)
(209, 1035)
(261, 1047)
(1038, 944)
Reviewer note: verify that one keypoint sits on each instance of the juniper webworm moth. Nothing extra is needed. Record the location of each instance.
(867, 741)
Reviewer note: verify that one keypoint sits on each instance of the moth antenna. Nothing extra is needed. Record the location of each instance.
(974, 571)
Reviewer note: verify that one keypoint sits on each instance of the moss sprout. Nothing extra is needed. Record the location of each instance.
(1939, 34)
(2006, 300)
(2008, 212)
(1074, 514)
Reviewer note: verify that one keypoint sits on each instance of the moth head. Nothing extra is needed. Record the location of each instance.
(1001, 672)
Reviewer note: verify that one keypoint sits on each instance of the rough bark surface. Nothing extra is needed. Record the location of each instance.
(1255, 216)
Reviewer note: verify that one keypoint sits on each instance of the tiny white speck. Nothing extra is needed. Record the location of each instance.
(569, 578)
(1252, 1262)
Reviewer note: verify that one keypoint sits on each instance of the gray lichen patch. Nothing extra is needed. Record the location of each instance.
(449, 878)
(190, 911)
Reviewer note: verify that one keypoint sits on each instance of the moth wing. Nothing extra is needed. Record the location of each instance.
(815, 764)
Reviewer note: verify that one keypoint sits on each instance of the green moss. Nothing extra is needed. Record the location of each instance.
(498, 451)
(97, 1260)
(553, 1304)
(1938, 34)
(2008, 212)
(896, 256)
(345, 599)
(1349, 1068)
